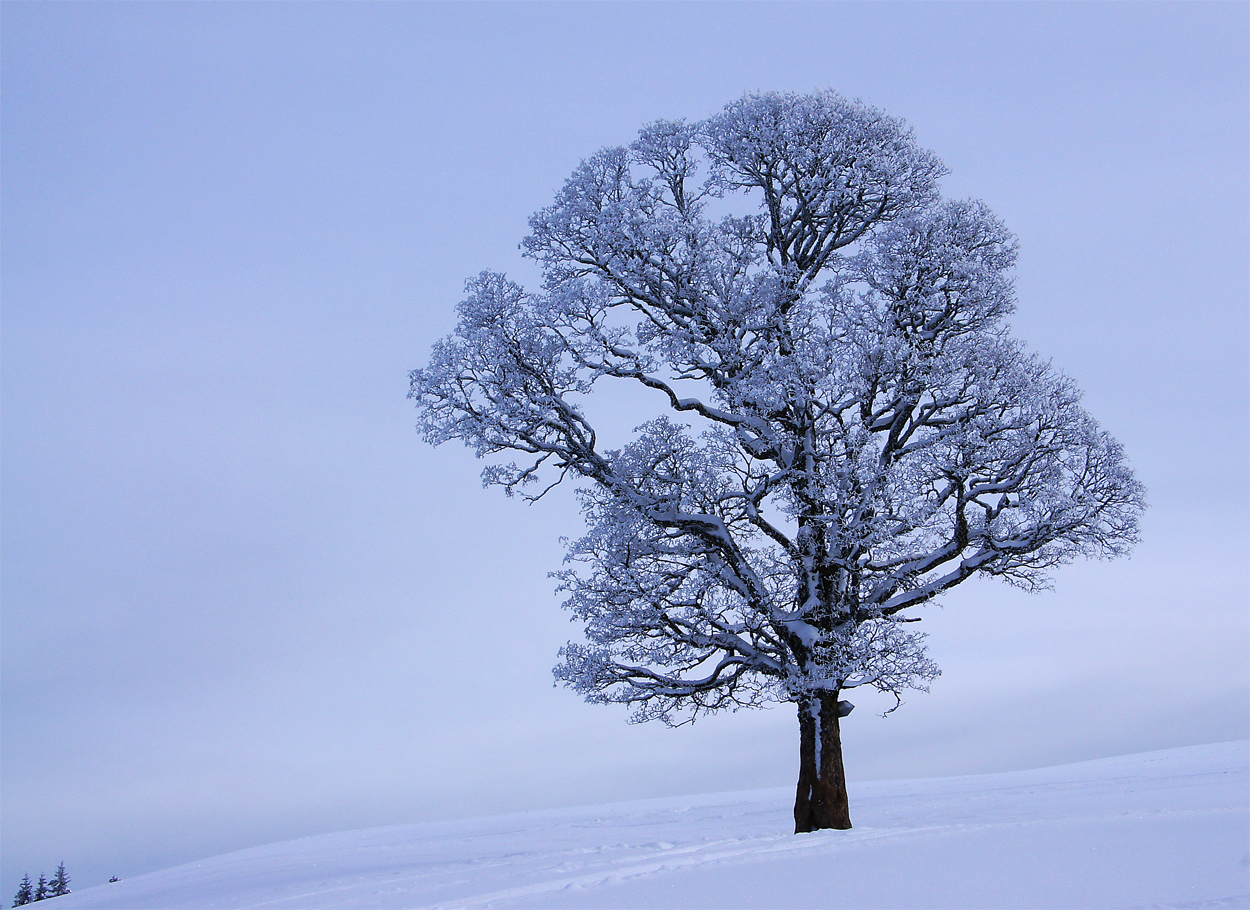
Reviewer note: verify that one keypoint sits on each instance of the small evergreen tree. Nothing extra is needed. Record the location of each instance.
(25, 894)
(60, 883)
(41, 889)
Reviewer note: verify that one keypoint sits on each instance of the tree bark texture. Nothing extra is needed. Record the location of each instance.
(821, 801)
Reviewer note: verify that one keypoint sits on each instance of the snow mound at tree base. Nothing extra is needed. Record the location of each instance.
(1166, 829)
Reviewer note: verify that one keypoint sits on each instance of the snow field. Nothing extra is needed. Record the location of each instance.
(1166, 829)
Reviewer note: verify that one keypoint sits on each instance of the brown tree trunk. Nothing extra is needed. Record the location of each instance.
(821, 801)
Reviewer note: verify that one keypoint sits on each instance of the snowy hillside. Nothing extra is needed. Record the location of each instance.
(1161, 829)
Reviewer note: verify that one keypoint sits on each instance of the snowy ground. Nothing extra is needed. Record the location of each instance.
(1161, 829)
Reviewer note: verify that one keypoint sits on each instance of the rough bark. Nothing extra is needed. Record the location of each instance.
(821, 801)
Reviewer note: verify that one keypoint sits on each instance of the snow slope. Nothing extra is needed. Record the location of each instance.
(1161, 829)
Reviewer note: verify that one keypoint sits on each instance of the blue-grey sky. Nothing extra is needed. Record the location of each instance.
(243, 602)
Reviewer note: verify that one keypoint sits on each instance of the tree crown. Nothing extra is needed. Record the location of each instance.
(850, 429)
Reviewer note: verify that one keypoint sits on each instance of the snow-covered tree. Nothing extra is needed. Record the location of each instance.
(846, 428)
(60, 882)
(25, 892)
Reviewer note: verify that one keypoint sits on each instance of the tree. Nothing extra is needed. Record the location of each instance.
(60, 882)
(25, 894)
(41, 889)
(848, 429)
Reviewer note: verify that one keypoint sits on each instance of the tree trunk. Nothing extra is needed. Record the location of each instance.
(821, 801)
